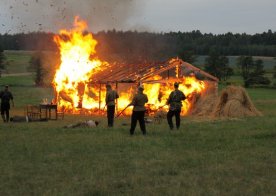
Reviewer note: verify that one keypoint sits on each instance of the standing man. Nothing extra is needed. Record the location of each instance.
(138, 112)
(175, 101)
(5, 97)
(111, 96)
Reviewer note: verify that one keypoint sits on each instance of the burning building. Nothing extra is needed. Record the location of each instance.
(80, 79)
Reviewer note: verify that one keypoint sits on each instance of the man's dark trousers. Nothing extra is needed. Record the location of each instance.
(5, 110)
(110, 115)
(170, 115)
(138, 115)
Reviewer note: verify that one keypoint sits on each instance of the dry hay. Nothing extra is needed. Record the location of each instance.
(202, 105)
(235, 102)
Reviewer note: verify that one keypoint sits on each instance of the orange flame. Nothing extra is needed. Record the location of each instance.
(76, 68)
(159, 93)
(72, 80)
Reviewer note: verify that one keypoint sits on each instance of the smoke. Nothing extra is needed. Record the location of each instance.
(52, 15)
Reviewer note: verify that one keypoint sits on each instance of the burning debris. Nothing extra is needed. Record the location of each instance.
(80, 78)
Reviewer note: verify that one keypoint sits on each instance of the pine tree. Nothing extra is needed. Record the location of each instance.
(218, 66)
(252, 71)
(37, 67)
(2, 58)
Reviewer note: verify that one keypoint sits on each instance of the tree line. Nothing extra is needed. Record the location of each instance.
(140, 46)
(135, 47)
(252, 71)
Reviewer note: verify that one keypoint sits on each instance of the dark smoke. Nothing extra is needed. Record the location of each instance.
(51, 15)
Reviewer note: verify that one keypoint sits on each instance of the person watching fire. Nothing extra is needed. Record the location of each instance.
(111, 96)
(6, 96)
(175, 102)
(138, 112)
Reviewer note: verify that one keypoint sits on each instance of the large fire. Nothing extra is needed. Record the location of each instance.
(73, 78)
(76, 68)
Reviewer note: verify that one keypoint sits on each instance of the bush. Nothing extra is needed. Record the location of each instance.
(36, 65)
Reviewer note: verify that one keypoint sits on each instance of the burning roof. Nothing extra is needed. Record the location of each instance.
(79, 77)
(124, 73)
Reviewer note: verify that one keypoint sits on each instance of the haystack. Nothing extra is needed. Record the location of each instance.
(203, 105)
(235, 102)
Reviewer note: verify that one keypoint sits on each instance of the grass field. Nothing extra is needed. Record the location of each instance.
(205, 157)
(17, 61)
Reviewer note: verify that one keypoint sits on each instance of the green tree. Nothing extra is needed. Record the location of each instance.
(258, 74)
(2, 58)
(188, 56)
(35, 64)
(252, 71)
(226, 70)
(218, 65)
(274, 75)
(274, 72)
(245, 64)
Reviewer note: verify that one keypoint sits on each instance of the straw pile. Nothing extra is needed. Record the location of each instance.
(203, 105)
(235, 102)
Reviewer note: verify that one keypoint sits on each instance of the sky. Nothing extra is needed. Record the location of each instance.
(208, 16)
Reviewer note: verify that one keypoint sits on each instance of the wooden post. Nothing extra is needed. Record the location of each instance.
(100, 89)
(116, 101)
(55, 96)
(177, 71)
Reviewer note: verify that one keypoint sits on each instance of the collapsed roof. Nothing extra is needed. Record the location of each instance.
(126, 73)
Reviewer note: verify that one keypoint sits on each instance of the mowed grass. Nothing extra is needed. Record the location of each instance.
(17, 61)
(212, 158)
(205, 157)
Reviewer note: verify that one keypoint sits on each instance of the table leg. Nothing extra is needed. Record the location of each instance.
(49, 113)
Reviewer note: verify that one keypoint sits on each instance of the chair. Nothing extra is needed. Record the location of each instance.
(60, 113)
(33, 112)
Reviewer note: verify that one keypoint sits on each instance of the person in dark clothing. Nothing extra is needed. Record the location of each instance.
(175, 101)
(6, 97)
(138, 112)
(111, 96)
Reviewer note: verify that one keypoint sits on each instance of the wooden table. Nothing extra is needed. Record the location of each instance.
(47, 110)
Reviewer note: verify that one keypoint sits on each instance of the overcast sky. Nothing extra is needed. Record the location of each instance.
(208, 16)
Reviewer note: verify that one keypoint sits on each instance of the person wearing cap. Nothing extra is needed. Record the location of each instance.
(138, 112)
(6, 97)
(175, 102)
(110, 97)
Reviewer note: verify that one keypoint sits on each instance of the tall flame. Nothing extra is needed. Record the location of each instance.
(77, 67)
(73, 77)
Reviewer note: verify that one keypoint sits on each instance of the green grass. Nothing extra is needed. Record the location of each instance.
(17, 61)
(205, 157)
(214, 158)
(17, 81)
